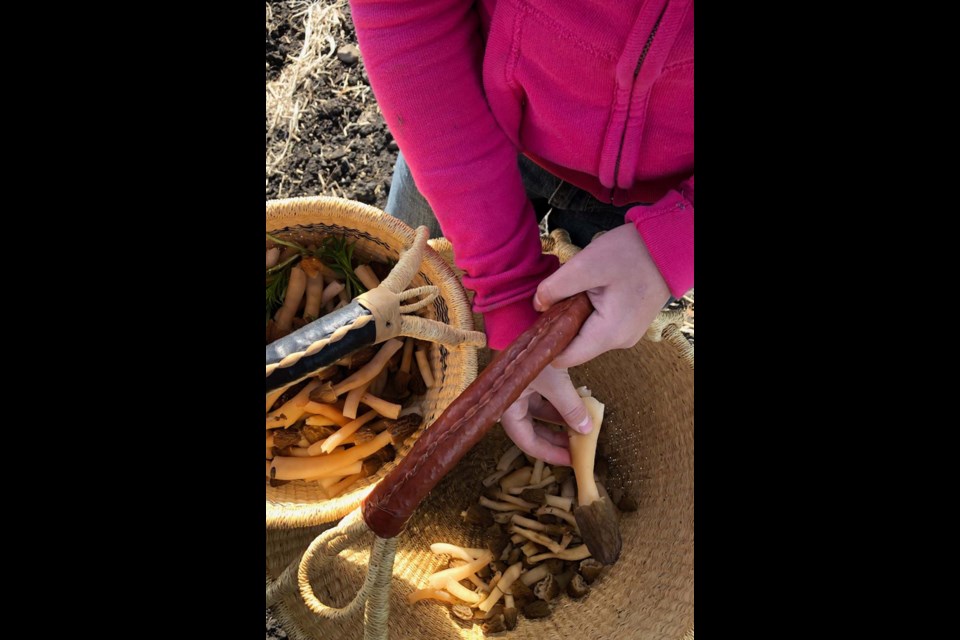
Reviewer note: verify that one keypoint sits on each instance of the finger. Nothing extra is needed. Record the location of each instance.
(521, 430)
(525, 437)
(571, 278)
(559, 390)
(543, 410)
(559, 438)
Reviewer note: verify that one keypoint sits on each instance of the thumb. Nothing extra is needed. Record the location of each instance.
(555, 385)
(570, 279)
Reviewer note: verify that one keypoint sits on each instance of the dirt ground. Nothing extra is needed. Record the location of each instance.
(325, 134)
(330, 138)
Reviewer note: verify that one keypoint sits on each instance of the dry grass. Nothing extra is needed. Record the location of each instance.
(306, 78)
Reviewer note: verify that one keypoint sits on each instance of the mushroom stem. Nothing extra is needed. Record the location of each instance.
(575, 553)
(335, 474)
(508, 457)
(537, 474)
(491, 479)
(498, 506)
(534, 525)
(352, 403)
(407, 357)
(480, 584)
(366, 275)
(328, 445)
(560, 503)
(539, 538)
(369, 371)
(540, 485)
(273, 395)
(311, 309)
(459, 573)
(503, 585)
(535, 575)
(330, 292)
(299, 452)
(425, 370)
(297, 468)
(595, 515)
(291, 302)
(506, 497)
(290, 411)
(460, 591)
(518, 478)
(503, 517)
(328, 411)
(384, 408)
(413, 408)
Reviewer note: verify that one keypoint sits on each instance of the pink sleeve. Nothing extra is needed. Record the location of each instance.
(424, 58)
(667, 229)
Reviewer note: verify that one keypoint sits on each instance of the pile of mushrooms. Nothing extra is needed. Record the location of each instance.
(344, 422)
(535, 546)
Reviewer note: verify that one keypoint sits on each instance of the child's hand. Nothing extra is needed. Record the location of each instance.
(551, 396)
(624, 285)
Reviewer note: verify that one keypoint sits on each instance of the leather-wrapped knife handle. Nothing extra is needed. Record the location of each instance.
(320, 329)
(468, 418)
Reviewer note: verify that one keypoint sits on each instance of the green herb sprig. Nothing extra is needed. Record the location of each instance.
(335, 253)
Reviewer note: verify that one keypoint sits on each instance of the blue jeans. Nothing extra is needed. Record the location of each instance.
(570, 207)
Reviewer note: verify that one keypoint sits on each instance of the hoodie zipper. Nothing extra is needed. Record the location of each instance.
(623, 134)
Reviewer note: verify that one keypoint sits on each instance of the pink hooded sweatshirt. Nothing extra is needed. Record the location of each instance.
(600, 93)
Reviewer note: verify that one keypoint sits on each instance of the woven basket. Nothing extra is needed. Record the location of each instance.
(648, 437)
(377, 236)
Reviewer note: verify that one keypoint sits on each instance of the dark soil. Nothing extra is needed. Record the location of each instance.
(343, 140)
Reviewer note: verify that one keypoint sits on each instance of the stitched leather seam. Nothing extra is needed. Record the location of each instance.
(293, 358)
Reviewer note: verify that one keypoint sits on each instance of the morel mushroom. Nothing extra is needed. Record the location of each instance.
(537, 609)
(595, 515)
(577, 587)
(590, 569)
(547, 589)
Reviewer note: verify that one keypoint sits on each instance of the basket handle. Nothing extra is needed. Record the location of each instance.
(468, 418)
(373, 595)
(371, 318)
